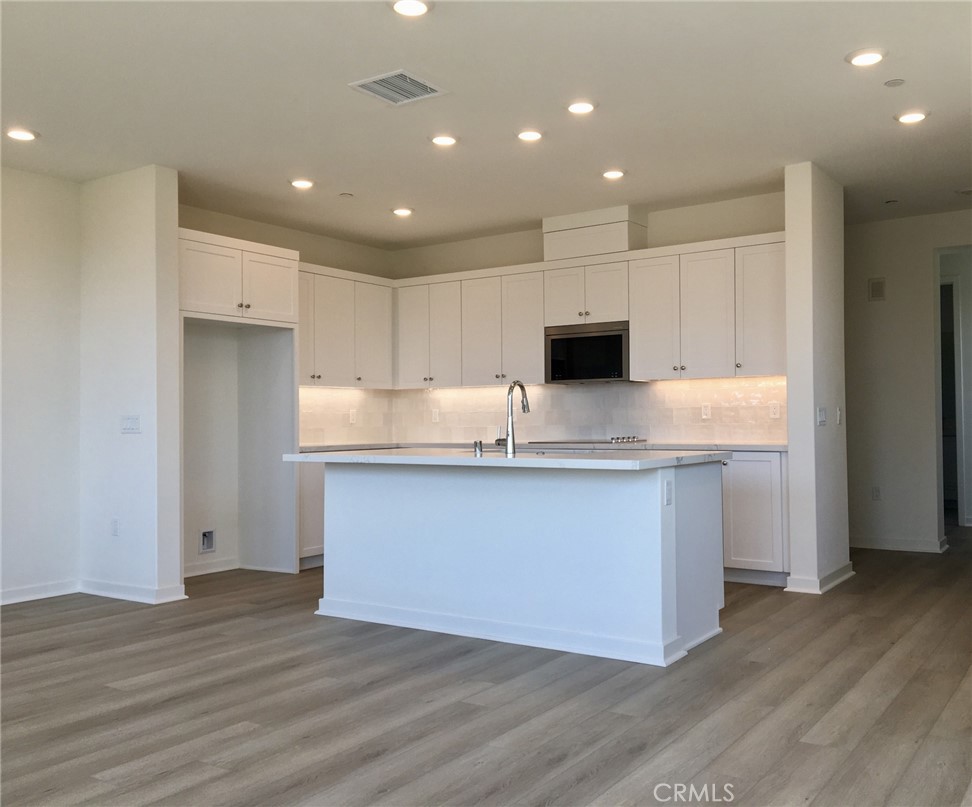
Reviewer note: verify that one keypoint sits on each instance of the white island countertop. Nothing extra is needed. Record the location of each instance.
(526, 457)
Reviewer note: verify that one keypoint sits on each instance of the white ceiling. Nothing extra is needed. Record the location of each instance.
(696, 101)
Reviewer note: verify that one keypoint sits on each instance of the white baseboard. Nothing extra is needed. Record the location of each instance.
(934, 545)
(514, 633)
(311, 562)
(310, 551)
(757, 577)
(121, 591)
(39, 591)
(819, 585)
(268, 569)
(210, 566)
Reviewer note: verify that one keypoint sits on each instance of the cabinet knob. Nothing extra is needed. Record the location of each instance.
(587, 313)
(503, 375)
(431, 378)
(725, 462)
(738, 364)
(358, 378)
(247, 305)
(425, 378)
(239, 305)
(580, 313)
(318, 375)
(675, 367)
(682, 367)
(313, 376)
(497, 375)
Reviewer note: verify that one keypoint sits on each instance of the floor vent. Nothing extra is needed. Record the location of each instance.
(396, 88)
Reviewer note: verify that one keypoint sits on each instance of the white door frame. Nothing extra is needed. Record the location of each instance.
(961, 283)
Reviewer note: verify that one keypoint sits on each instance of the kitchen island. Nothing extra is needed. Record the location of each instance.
(608, 553)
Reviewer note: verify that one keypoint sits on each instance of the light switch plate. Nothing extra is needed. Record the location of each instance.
(821, 415)
(775, 410)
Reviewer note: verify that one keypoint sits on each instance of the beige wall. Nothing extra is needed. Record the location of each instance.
(41, 376)
(891, 385)
(748, 215)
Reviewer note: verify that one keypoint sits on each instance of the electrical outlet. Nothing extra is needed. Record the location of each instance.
(775, 410)
(821, 415)
(353, 416)
(115, 529)
(207, 541)
(435, 415)
(875, 494)
(706, 411)
(131, 424)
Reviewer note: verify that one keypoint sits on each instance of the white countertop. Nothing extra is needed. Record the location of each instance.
(526, 457)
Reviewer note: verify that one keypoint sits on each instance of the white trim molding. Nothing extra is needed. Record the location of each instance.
(932, 545)
(819, 585)
(211, 566)
(121, 591)
(40, 591)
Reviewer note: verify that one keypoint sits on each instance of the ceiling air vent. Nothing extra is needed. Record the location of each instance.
(396, 88)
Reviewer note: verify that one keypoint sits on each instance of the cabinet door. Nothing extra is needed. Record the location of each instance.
(305, 329)
(606, 292)
(654, 321)
(563, 296)
(445, 334)
(761, 310)
(482, 324)
(412, 343)
(311, 511)
(269, 288)
(523, 327)
(334, 331)
(707, 314)
(210, 279)
(752, 511)
(373, 336)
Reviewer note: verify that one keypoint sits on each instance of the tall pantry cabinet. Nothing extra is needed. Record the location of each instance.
(238, 305)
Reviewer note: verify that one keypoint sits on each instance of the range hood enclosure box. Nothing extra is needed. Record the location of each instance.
(595, 232)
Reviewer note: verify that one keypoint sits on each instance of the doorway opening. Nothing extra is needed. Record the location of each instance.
(955, 384)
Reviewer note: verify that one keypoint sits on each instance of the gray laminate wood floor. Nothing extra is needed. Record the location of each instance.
(241, 696)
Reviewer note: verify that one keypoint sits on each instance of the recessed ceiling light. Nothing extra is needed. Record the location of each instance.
(402, 211)
(890, 201)
(410, 8)
(444, 140)
(865, 57)
(581, 107)
(19, 133)
(529, 135)
(346, 195)
(614, 173)
(894, 82)
(302, 184)
(911, 117)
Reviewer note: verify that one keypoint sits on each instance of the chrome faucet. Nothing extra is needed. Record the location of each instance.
(525, 404)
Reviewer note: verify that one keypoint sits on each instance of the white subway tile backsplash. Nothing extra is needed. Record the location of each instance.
(661, 411)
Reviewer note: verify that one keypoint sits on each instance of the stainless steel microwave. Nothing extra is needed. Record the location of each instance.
(575, 354)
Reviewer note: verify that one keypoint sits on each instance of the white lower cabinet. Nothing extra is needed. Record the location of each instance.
(754, 511)
(311, 513)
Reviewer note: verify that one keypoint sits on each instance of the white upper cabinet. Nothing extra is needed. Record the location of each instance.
(334, 331)
(482, 331)
(218, 278)
(682, 316)
(502, 329)
(429, 336)
(761, 310)
(523, 327)
(707, 314)
(345, 333)
(373, 336)
(654, 336)
(586, 294)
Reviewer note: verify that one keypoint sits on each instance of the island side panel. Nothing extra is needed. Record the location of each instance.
(698, 541)
(569, 559)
